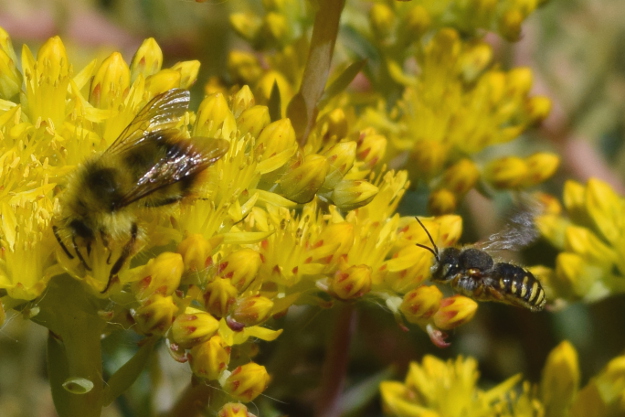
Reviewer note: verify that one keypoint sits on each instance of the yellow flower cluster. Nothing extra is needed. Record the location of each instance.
(591, 238)
(450, 99)
(454, 107)
(397, 19)
(226, 262)
(437, 388)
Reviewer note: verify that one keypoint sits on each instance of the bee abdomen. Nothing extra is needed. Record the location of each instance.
(519, 286)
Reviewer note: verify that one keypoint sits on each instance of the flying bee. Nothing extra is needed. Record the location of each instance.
(474, 273)
(148, 165)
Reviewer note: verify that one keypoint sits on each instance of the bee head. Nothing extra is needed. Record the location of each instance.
(448, 265)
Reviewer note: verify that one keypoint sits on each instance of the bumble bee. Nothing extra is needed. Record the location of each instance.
(148, 165)
(473, 272)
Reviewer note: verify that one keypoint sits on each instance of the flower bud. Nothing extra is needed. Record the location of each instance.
(428, 157)
(209, 359)
(352, 283)
(252, 310)
(52, 61)
(560, 380)
(219, 297)
(461, 177)
(382, 19)
(147, 60)
(304, 178)
(162, 81)
(351, 194)
(234, 410)
(418, 21)
(193, 327)
(11, 80)
(540, 167)
(421, 303)
(245, 25)
(188, 72)
(196, 252)
(241, 101)
(507, 172)
(442, 201)
(247, 382)
(243, 67)
(253, 120)
(265, 86)
(519, 81)
(454, 311)
(214, 118)
(538, 108)
(110, 82)
(510, 25)
(371, 148)
(155, 315)
(161, 275)
(475, 60)
(240, 267)
(274, 29)
(340, 160)
(334, 125)
(275, 138)
(449, 229)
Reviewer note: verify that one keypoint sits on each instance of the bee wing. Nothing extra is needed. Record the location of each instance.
(160, 113)
(184, 158)
(518, 233)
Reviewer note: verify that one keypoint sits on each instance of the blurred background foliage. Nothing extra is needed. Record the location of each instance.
(575, 49)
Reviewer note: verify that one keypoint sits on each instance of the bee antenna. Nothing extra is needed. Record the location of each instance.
(434, 250)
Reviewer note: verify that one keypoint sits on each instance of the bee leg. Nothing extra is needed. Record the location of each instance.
(80, 254)
(55, 230)
(126, 252)
(105, 242)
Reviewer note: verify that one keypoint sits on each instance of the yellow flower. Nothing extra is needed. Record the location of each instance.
(454, 311)
(156, 314)
(560, 380)
(252, 310)
(351, 283)
(209, 359)
(234, 410)
(193, 327)
(421, 303)
(247, 382)
(161, 275)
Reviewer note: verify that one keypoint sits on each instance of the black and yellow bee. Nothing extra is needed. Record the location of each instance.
(473, 272)
(148, 165)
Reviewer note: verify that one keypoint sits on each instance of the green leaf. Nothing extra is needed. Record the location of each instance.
(125, 376)
(275, 103)
(77, 385)
(341, 83)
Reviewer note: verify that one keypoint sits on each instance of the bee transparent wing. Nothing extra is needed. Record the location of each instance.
(184, 158)
(159, 114)
(518, 233)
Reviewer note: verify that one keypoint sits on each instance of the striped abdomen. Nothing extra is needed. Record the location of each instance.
(518, 286)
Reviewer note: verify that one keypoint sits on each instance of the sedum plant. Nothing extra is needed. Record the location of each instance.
(301, 210)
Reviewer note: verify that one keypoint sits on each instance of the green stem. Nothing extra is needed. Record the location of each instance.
(74, 351)
(335, 365)
(303, 108)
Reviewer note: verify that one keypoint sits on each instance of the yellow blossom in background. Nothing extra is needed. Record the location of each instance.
(589, 235)
(438, 388)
